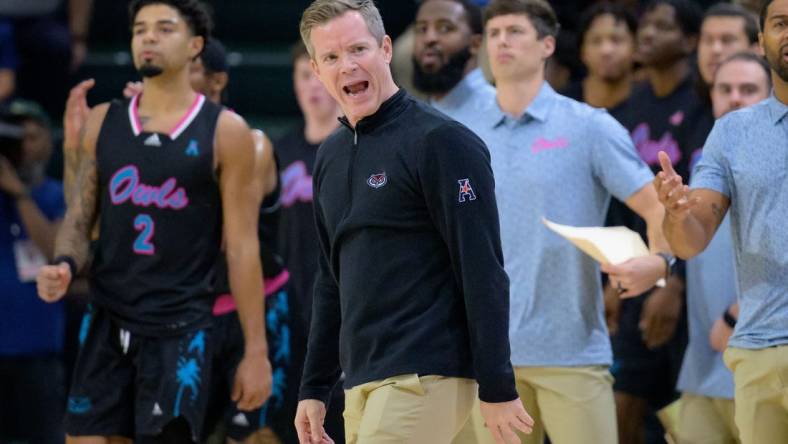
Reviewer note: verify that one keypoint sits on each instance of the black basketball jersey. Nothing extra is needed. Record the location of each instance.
(160, 220)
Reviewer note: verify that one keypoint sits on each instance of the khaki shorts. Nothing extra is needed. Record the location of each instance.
(706, 420)
(761, 378)
(408, 409)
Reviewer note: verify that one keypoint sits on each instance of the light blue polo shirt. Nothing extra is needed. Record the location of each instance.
(746, 159)
(561, 160)
(464, 102)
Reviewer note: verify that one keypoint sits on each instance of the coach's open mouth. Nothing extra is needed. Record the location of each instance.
(355, 89)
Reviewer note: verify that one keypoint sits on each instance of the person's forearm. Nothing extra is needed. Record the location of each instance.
(657, 241)
(687, 237)
(321, 364)
(40, 230)
(246, 285)
(70, 165)
(73, 240)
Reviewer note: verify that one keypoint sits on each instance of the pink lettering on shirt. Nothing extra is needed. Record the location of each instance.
(542, 144)
(125, 186)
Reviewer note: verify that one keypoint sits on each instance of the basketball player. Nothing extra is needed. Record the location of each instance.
(154, 165)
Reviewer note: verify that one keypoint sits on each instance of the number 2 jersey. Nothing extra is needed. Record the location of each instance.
(160, 223)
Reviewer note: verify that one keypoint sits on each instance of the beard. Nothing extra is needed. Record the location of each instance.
(446, 77)
(149, 70)
(777, 63)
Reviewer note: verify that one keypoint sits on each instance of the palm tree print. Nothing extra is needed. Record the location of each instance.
(198, 344)
(188, 371)
(188, 376)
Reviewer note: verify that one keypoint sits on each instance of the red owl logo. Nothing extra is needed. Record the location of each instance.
(377, 180)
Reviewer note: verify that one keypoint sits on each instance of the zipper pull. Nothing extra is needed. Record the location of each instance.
(355, 138)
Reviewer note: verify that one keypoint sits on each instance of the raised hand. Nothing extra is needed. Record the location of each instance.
(672, 192)
(76, 114)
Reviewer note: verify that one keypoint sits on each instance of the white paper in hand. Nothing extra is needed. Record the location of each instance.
(607, 245)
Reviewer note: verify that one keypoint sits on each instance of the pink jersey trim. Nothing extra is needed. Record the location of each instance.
(226, 304)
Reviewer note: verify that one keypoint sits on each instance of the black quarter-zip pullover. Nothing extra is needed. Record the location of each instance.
(411, 276)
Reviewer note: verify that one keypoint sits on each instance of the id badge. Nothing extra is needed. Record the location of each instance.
(29, 259)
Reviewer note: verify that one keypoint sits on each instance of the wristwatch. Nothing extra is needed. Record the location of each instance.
(670, 261)
(730, 321)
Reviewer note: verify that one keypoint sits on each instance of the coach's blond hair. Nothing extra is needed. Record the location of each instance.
(321, 12)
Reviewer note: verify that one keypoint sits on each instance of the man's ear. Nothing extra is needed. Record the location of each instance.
(476, 44)
(196, 45)
(388, 48)
(548, 46)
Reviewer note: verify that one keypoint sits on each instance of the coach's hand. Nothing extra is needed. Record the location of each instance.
(53, 281)
(502, 418)
(635, 276)
(672, 192)
(252, 385)
(309, 420)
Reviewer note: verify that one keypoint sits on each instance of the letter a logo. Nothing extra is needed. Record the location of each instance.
(466, 190)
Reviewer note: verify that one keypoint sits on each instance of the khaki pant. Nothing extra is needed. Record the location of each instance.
(706, 420)
(761, 378)
(408, 409)
(574, 404)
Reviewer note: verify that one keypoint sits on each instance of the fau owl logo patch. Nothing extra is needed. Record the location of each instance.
(466, 190)
(377, 180)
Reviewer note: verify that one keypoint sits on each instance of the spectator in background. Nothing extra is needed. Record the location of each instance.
(297, 238)
(8, 60)
(707, 388)
(726, 30)
(402, 62)
(32, 385)
(51, 40)
(448, 35)
(607, 48)
(651, 337)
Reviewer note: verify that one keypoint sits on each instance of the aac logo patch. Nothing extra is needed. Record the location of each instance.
(193, 150)
(466, 190)
(377, 180)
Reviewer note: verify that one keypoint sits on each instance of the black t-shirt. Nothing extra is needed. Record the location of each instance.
(160, 225)
(577, 91)
(659, 124)
(297, 238)
(698, 133)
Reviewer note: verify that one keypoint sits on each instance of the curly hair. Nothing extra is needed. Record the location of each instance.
(196, 13)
